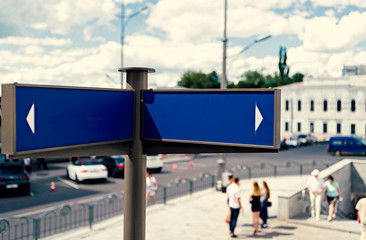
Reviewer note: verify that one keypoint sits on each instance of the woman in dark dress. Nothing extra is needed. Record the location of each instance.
(254, 199)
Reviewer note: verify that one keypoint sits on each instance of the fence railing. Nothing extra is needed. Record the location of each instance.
(71, 216)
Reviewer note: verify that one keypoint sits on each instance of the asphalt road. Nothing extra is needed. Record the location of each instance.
(68, 191)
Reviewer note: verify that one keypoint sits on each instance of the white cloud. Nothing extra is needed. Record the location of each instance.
(33, 50)
(56, 42)
(80, 67)
(326, 34)
(57, 16)
(337, 3)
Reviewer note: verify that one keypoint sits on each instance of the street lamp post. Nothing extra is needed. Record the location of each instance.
(222, 160)
(124, 21)
(259, 39)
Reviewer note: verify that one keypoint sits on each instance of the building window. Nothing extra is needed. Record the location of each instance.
(338, 128)
(325, 128)
(299, 127)
(353, 105)
(299, 105)
(286, 126)
(353, 128)
(312, 105)
(287, 105)
(311, 127)
(339, 106)
(325, 105)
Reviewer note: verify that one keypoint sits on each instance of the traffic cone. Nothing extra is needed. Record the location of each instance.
(191, 164)
(174, 167)
(53, 186)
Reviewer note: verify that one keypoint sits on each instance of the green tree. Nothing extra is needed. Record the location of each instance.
(282, 65)
(297, 77)
(192, 79)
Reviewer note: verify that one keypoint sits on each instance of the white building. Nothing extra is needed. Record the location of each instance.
(324, 107)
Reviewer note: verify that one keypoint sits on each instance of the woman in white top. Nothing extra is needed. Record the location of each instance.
(151, 187)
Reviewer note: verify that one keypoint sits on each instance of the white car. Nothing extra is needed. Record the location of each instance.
(85, 169)
(154, 163)
(293, 141)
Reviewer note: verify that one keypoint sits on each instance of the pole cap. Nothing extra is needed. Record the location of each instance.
(128, 69)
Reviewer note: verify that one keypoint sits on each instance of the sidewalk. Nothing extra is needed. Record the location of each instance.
(201, 216)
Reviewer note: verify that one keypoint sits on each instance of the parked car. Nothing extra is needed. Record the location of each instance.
(86, 169)
(155, 163)
(343, 145)
(115, 165)
(13, 178)
(293, 141)
(305, 139)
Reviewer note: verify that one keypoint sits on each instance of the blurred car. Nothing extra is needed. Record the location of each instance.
(86, 169)
(346, 145)
(115, 165)
(293, 141)
(13, 178)
(305, 139)
(155, 163)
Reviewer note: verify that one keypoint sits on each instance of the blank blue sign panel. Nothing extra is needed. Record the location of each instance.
(244, 118)
(48, 117)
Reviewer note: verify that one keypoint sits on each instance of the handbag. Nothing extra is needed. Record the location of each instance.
(269, 204)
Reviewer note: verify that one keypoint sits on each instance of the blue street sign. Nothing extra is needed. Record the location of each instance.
(233, 118)
(55, 117)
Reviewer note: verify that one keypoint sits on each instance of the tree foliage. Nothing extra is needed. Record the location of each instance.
(192, 79)
(250, 79)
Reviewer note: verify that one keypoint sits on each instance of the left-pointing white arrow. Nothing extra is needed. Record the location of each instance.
(258, 118)
(30, 119)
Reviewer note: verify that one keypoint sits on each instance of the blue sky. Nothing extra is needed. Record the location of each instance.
(77, 43)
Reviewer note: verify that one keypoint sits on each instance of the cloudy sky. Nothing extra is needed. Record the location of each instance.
(77, 42)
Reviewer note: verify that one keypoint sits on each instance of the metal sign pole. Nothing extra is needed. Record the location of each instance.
(135, 171)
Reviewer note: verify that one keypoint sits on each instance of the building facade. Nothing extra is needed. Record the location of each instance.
(324, 107)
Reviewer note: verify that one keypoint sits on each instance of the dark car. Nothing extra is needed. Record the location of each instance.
(13, 179)
(115, 165)
(346, 145)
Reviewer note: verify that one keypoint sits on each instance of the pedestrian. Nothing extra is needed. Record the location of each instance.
(28, 165)
(41, 162)
(231, 180)
(255, 200)
(151, 187)
(332, 193)
(361, 216)
(264, 204)
(233, 194)
(315, 186)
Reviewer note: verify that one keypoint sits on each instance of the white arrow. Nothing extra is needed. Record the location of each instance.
(258, 118)
(30, 119)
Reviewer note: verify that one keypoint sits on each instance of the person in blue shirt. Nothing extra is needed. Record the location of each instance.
(332, 193)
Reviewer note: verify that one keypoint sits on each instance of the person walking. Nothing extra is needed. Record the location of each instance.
(230, 181)
(361, 216)
(233, 194)
(315, 186)
(332, 193)
(41, 162)
(255, 200)
(28, 165)
(151, 187)
(264, 204)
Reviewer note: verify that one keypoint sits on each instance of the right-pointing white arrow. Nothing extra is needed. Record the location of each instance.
(30, 119)
(258, 118)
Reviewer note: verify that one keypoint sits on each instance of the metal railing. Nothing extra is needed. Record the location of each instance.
(71, 216)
